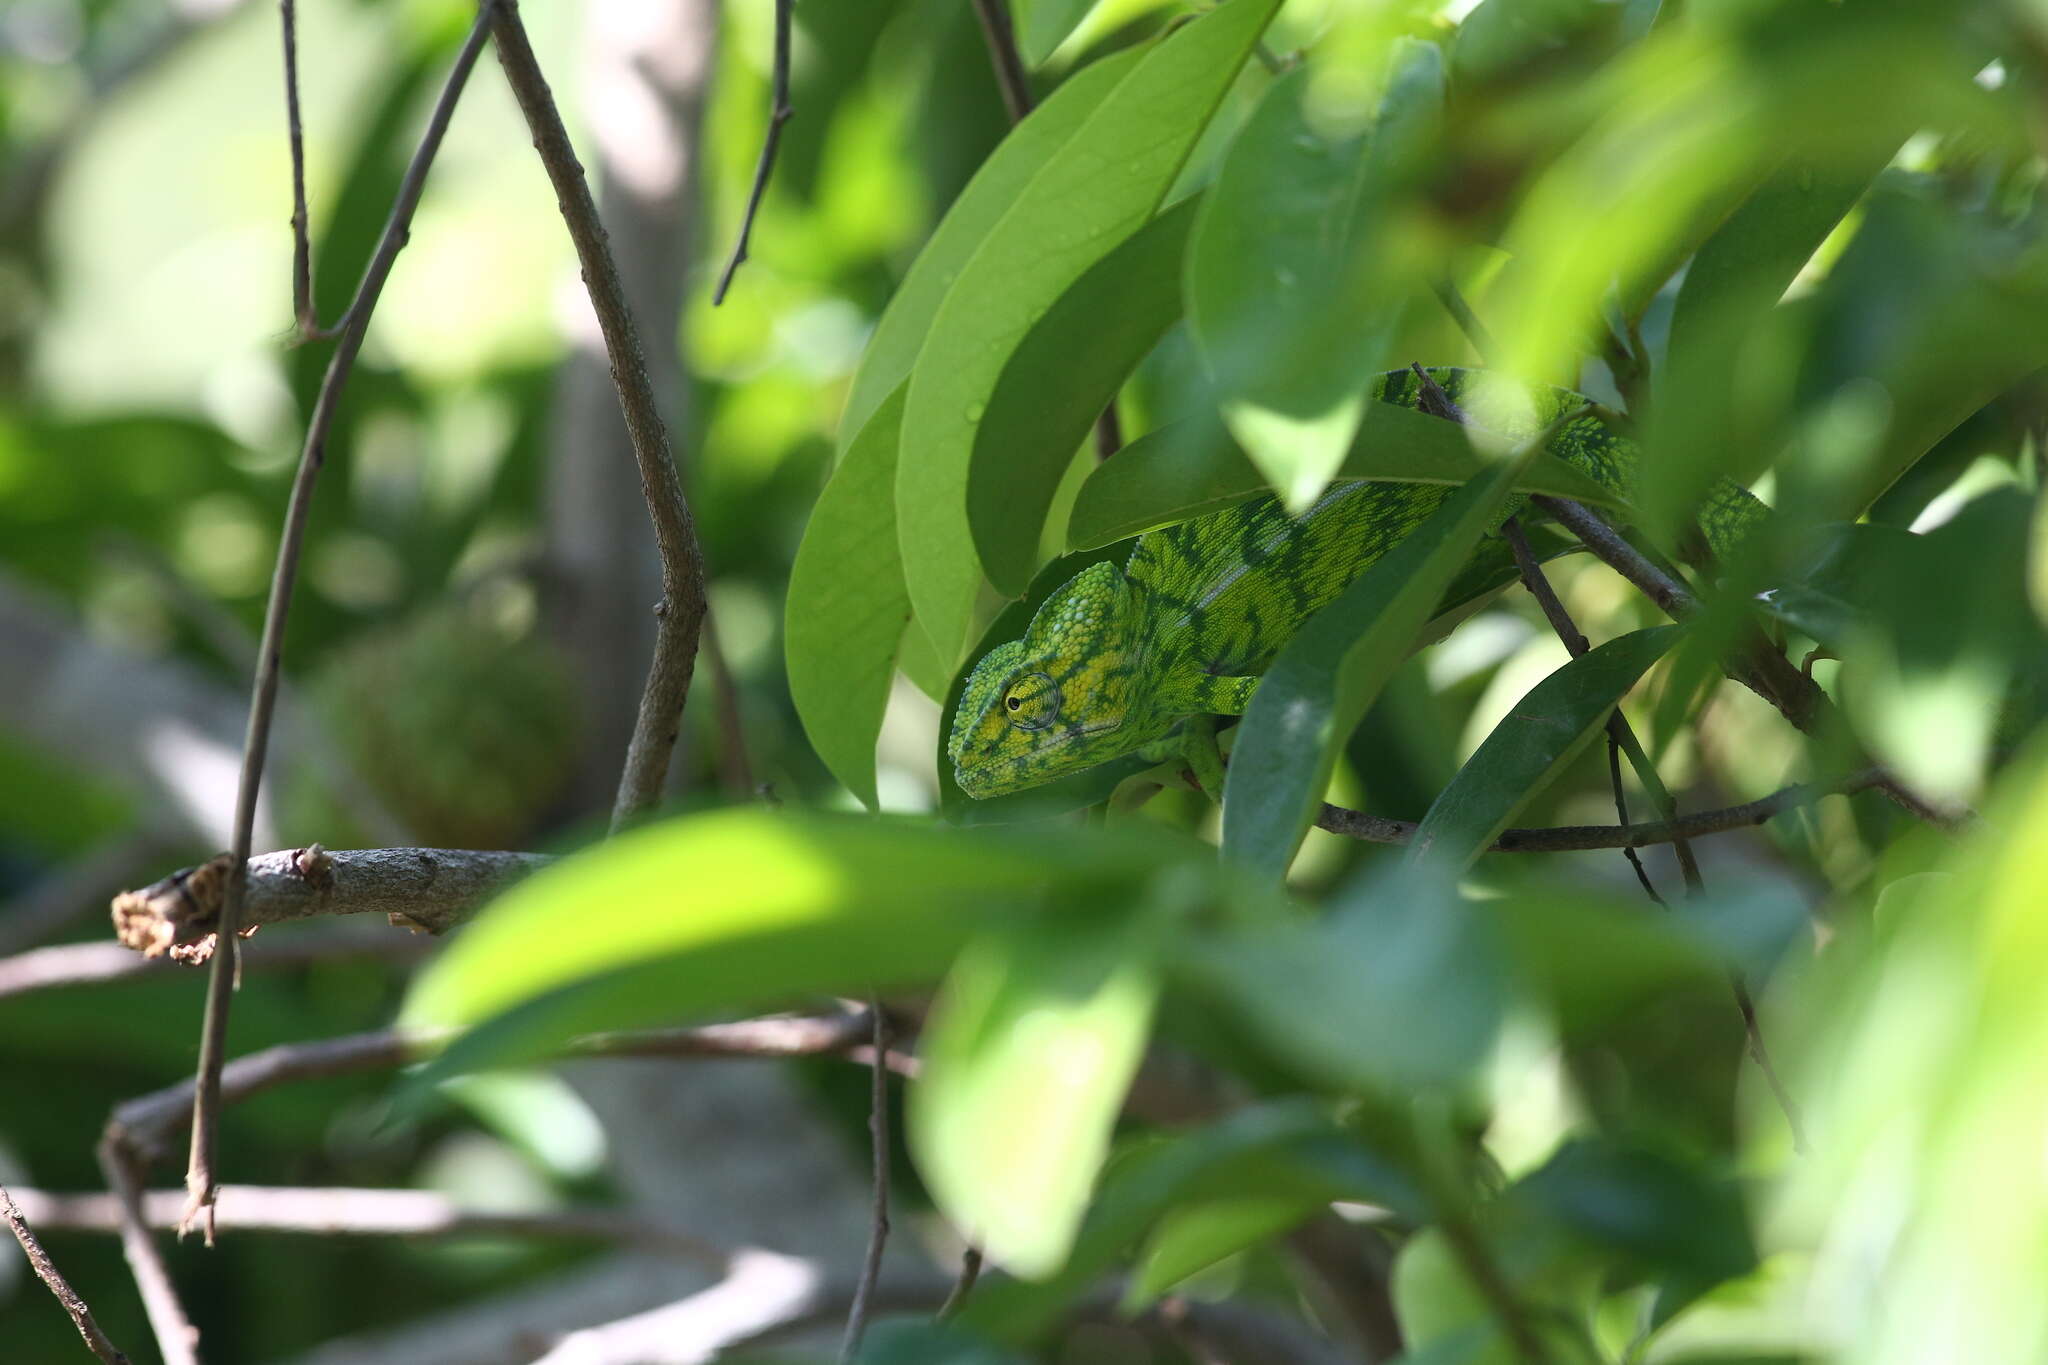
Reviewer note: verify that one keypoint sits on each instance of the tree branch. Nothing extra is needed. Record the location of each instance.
(39, 1261)
(680, 614)
(426, 889)
(200, 1177)
(1002, 53)
(88, 964)
(771, 143)
(327, 1211)
(177, 1340)
(878, 1226)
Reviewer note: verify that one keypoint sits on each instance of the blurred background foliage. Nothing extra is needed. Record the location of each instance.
(1801, 243)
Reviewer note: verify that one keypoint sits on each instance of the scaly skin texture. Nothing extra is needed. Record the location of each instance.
(1117, 659)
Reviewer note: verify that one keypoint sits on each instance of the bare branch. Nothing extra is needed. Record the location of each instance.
(39, 1261)
(771, 142)
(1002, 52)
(680, 614)
(426, 889)
(878, 1229)
(328, 1211)
(200, 1176)
(302, 243)
(177, 1340)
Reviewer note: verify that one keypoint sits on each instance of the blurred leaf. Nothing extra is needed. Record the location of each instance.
(1067, 368)
(1065, 220)
(920, 1341)
(1401, 990)
(1191, 467)
(847, 606)
(1030, 1047)
(1043, 25)
(1650, 1211)
(1190, 1240)
(1282, 1147)
(1588, 958)
(1544, 732)
(892, 350)
(776, 906)
(1327, 676)
(1290, 286)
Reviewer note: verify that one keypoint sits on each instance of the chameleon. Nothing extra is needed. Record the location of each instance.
(1121, 658)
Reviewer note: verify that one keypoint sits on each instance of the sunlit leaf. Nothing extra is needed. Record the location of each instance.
(1544, 732)
(1063, 373)
(900, 334)
(1063, 221)
(847, 606)
(1033, 1040)
(1043, 24)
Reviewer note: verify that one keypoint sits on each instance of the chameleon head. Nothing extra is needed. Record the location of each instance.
(1057, 700)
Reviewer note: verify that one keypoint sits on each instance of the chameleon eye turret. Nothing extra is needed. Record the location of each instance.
(1033, 701)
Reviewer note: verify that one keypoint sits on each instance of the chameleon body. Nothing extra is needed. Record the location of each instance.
(1118, 658)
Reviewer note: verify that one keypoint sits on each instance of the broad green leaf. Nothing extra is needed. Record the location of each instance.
(1030, 1047)
(1288, 1147)
(1293, 284)
(1043, 25)
(1067, 218)
(1657, 1213)
(892, 350)
(1399, 991)
(1191, 468)
(1327, 676)
(1067, 368)
(848, 607)
(1190, 1240)
(742, 908)
(1544, 732)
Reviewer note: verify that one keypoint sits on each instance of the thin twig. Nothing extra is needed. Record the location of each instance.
(771, 142)
(89, 964)
(200, 1176)
(680, 615)
(302, 244)
(39, 1261)
(1468, 321)
(970, 1271)
(331, 1211)
(878, 1228)
(1003, 53)
(177, 1340)
(1378, 829)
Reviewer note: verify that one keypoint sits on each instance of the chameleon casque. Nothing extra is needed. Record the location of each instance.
(1117, 659)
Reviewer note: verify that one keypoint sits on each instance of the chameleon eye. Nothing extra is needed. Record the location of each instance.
(1033, 701)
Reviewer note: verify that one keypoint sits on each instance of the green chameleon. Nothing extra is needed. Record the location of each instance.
(1118, 660)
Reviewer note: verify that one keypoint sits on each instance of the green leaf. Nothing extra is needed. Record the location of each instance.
(1030, 1047)
(1294, 289)
(1067, 218)
(1543, 733)
(1190, 1240)
(892, 350)
(1327, 676)
(1190, 468)
(1043, 25)
(848, 607)
(742, 908)
(1061, 376)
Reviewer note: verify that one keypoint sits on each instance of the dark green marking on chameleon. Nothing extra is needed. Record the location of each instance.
(1130, 653)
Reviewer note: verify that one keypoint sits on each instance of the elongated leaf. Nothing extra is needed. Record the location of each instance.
(1043, 25)
(1191, 468)
(1065, 220)
(1191, 1240)
(1030, 1048)
(739, 908)
(848, 607)
(1066, 369)
(900, 334)
(1294, 292)
(1538, 738)
(1324, 680)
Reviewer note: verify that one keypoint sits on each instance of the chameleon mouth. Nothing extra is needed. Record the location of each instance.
(973, 779)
